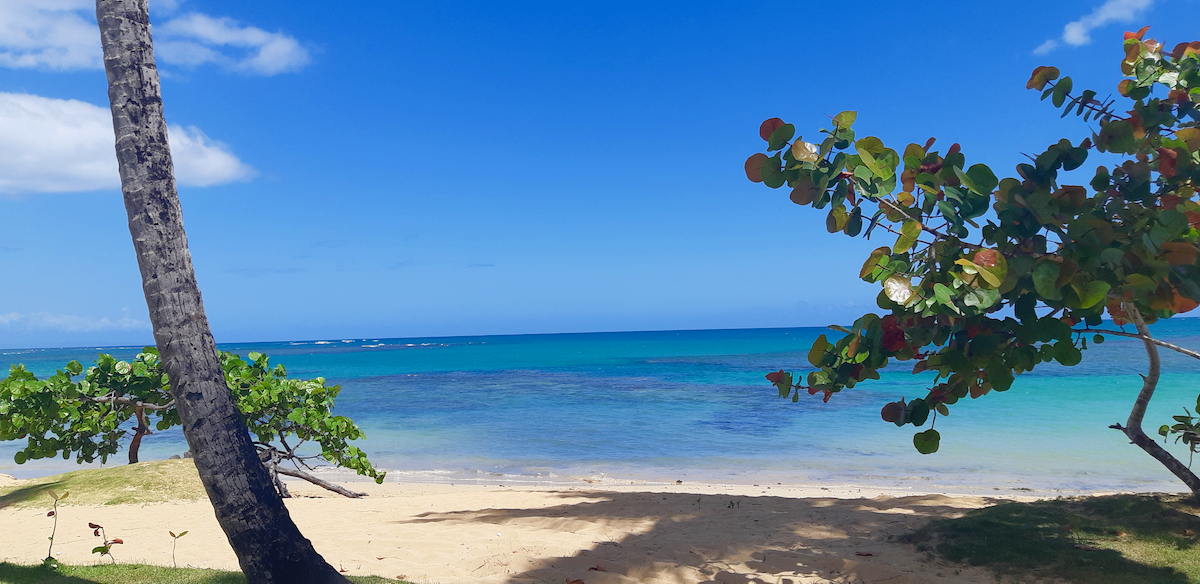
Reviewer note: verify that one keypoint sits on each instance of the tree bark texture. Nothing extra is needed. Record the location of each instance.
(1133, 426)
(268, 545)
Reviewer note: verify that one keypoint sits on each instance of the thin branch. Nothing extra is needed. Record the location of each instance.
(1163, 344)
(113, 399)
(319, 482)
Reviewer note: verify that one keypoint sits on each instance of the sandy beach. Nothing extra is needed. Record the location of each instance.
(443, 533)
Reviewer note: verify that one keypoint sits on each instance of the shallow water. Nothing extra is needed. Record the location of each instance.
(693, 406)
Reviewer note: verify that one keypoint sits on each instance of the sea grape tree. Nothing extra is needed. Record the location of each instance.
(90, 417)
(964, 244)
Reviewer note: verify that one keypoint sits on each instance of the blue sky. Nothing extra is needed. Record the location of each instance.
(398, 169)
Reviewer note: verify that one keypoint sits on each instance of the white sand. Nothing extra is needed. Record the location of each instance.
(475, 533)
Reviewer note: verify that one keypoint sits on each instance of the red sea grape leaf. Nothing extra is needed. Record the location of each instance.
(754, 167)
(1166, 162)
(1137, 35)
(768, 127)
(892, 412)
(1193, 218)
(50, 514)
(986, 258)
(828, 394)
(954, 149)
(1124, 86)
(1041, 76)
(1179, 253)
(1184, 304)
(117, 540)
(775, 377)
(804, 192)
(929, 143)
(93, 526)
(863, 554)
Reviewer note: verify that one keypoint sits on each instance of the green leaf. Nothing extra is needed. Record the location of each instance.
(909, 231)
(845, 119)
(816, 354)
(927, 442)
(1045, 274)
(779, 138)
(1094, 293)
(982, 178)
(918, 412)
(854, 223)
(879, 257)
(942, 293)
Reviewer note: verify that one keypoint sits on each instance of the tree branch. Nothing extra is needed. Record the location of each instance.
(1133, 427)
(113, 399)
(319, 482)
(1163, 344)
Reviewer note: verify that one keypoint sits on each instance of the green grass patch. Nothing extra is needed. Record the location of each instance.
(133, 574)
(145, 482)
(1114, 539)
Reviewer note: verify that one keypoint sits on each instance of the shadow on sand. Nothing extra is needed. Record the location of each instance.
(673, 537)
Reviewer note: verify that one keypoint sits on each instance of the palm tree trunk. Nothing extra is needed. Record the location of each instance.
(268, 545)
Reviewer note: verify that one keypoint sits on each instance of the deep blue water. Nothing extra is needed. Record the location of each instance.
(693, 406)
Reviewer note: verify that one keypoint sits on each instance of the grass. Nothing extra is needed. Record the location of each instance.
(1149, 539)
(133, 574)
(145, 482)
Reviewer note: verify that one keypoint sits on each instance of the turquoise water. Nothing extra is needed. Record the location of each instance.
(693, 406)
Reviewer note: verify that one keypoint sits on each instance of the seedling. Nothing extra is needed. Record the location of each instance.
(175, 540)
(106, 549)
(49, 561)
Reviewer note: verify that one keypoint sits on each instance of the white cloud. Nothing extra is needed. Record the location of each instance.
(62, 35)
(68, 322)
(63, 145)
(192, 39)
(1078, 32)
(50, 34)
(1045, 47)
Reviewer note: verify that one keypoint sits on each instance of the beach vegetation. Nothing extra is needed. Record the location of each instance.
(175, 542)
(137, 574)
(984, 278)
(158, 481)
(104, 549)
(89, 417)
(1112, 539)
(49, 561)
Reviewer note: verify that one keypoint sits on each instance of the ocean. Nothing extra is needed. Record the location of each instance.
(694, 406)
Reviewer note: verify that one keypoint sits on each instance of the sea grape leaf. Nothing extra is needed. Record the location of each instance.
(879, 256)
(1045, 274)
(780, 137)
(909, 231)
(817, 353)
(927, 442)
(845, 119)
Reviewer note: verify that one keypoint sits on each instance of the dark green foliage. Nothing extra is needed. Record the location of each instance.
(968, 244)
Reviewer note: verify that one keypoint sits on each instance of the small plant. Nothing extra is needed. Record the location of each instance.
(106, 549)
(1188, 428)
(49, 561)
(175, 540)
